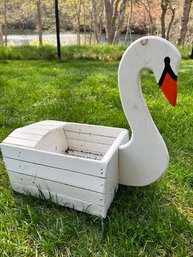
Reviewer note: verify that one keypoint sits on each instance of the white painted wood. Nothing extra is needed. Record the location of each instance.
(32, 130)
(51, 123)
(88, 137)
(112, 159)
(78, 128)
(88, 146)
(54, 141)
(82, 206)
(58, 188)
(20, 142)
(93, 183)
(112, 178)
(27, 136)
(79, 165)
(80, 180)
(48, 126)
(87, 155)
(145, 157)
(93, 129)
(121, 139)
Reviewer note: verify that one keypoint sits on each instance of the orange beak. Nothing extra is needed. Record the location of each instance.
(168, 83)
(169, 89)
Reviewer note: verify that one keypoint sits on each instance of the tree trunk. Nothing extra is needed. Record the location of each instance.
(149, 11)
(101, 24)
(184, 21)
(57, 29)
(91, 25)
(162, 18)
(95, 20)
(109, 14)
(128, 30)
(1, 35)
(39, 18)
(78, 30)
(171, 21)
(191, 56)
(5, 23)
(120, 22)
(84, 19)
(78, 10)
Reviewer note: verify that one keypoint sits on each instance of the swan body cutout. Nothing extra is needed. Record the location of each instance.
(145, 157)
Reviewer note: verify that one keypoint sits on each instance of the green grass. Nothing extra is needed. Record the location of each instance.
(152, 221)
(104, 52)
(47, 52)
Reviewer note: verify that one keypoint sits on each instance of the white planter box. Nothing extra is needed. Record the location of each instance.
(76, 165)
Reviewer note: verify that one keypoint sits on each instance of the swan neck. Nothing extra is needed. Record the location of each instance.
(135, 108)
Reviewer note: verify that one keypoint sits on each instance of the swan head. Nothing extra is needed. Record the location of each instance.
(158, 55)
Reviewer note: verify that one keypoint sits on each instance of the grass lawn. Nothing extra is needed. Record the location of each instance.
(152, 221)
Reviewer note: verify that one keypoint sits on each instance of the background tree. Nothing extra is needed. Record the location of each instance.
(78, 5)
(108, 17)
(1, 34)
(148, 6)
(5, 22)
(113, 9)
(7, 10)
(145, 16)
(166, 7)
(184, 21)
(39, 18)
(95, 20)
(128, 28)
(119, 22)
(172, 11)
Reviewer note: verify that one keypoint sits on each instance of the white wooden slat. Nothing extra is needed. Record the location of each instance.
(53, 141)
(87, 146)
(112, 178)
(93, 129)
(53, 123)
(31, 130)
(58, 188)
(48, 126)
(85, 166)
(82, 154)
(19, 141)
(123, 138)
(27, 136)
(80, 180)
(110, 132)
(63, 200)
(35, 131)
(84, 128)
(89, 137)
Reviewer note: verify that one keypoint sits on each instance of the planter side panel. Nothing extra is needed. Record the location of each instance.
(63, 200)
(85, 166)
(71, 188)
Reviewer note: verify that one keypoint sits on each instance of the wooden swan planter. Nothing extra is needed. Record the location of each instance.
(80, 165)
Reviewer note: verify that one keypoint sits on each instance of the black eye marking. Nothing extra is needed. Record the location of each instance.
(167, 70)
